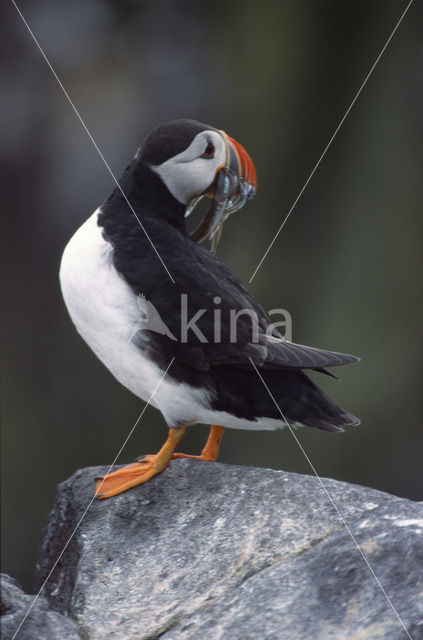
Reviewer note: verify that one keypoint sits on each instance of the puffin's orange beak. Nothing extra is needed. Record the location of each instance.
(235, 182)
(239, 160)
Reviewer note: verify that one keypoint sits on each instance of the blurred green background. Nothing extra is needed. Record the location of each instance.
(278, 76)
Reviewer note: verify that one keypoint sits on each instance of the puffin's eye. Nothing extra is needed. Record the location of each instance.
(209, 151)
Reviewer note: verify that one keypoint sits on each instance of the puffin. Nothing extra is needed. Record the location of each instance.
(171, 321)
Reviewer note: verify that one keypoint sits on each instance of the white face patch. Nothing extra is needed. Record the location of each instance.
(188, 174)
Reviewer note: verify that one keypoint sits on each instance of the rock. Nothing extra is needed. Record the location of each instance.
(40, 624)
(214, 551)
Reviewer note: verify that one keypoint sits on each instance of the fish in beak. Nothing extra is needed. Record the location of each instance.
(235, 183)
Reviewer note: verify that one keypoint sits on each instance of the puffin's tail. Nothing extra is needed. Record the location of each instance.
(302, 402)
(242, 393)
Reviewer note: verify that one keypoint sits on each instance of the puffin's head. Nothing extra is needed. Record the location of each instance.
(195, 160)
(187, 155)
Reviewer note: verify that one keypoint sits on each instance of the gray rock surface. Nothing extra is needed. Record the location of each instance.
(212, 552)
(40, 624)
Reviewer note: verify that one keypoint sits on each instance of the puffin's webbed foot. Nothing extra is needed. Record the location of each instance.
(139, 472)
(146, 467)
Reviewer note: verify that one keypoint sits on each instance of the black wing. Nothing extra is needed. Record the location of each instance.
(207, 291)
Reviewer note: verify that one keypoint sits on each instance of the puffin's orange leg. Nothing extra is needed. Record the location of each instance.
(211, 448)
(139, 472)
